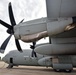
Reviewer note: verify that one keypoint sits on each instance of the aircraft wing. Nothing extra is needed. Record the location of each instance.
(60, 8)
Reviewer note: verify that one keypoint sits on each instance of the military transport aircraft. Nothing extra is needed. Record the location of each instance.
(59, 26)
(15, 58)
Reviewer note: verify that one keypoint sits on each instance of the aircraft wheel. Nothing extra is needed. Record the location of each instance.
(68, 71)
(57, 70)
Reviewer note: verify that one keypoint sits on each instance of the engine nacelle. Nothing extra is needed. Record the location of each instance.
(58, 26)
(46, 61)
(34, 30)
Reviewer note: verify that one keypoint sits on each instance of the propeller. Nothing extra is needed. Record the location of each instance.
(33, 47)
(10, 29)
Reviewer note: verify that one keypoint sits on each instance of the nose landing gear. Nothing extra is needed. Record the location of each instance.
(11, 63)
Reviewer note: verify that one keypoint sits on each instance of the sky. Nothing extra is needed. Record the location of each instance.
(22, 9)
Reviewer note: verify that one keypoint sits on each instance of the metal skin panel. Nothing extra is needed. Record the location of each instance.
(57, 27)
(30, 27)
(52, 27)
(70, 40)
(57, 49)
(45, 61)
(60, 8)
(22, 58)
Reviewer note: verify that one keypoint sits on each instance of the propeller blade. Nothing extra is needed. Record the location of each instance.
(5, 24)
(3, 46)
(11, 16)
(34, 53)
(10, 30)
(18, 45)
(33, 47)
(34, 43)
(21, 21)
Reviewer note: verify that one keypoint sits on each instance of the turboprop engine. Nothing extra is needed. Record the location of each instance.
(36, 29)
(60, 13)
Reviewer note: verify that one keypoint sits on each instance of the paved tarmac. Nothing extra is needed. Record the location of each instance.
(30, 70)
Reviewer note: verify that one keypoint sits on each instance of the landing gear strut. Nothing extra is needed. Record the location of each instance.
(11, 63)
(10, 66)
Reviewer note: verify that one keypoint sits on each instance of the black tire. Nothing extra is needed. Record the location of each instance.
(57, 70)
(68, 71)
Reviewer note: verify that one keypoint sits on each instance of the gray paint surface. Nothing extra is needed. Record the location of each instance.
(61, 8)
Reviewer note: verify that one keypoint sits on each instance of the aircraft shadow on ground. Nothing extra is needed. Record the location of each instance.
(39, 69)
(36, 69)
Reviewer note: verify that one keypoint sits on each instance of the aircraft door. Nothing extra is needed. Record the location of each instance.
(11, 60)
